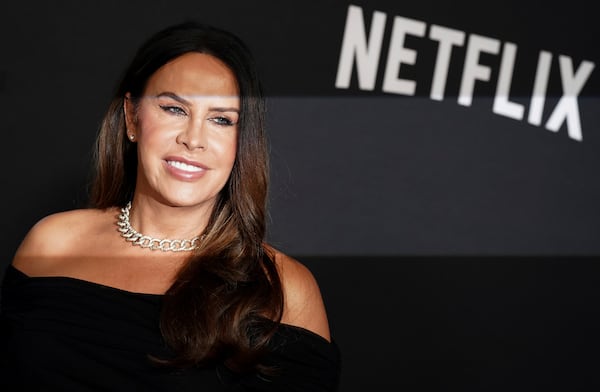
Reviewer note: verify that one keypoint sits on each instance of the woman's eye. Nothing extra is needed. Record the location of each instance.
(222, 121)
(173, 109)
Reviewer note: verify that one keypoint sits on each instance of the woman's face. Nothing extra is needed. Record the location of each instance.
(186, 128)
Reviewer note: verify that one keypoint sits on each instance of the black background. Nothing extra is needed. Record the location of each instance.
(456, 249)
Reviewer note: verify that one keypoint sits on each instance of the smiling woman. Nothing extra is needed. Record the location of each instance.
(166, 282)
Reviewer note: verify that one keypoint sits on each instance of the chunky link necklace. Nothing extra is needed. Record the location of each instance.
(144, 241)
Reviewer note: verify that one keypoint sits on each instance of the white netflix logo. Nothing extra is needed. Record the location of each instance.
(364, 51)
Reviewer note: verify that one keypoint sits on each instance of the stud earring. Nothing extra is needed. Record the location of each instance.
(131, 137)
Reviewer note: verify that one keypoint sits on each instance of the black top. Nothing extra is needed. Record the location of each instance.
(67, 334)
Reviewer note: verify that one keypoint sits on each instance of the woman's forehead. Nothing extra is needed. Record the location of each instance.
(194, 76)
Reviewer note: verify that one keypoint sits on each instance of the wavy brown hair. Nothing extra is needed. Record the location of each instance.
(227, 300)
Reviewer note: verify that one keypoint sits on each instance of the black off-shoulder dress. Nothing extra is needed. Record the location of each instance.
(66, 334)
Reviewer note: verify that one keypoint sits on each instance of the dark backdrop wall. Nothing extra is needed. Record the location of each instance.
(434, 163)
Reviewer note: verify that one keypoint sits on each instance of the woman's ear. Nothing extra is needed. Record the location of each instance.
(130, 117)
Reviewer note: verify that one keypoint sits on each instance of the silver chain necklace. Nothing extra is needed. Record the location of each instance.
(144, 241)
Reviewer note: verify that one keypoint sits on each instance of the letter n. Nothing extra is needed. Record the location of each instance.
(355, 45)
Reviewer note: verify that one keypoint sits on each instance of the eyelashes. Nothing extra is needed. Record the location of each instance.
(173, 110)
(220, 120)
(179, 111)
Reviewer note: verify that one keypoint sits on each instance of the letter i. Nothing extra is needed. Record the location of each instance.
(538, 98)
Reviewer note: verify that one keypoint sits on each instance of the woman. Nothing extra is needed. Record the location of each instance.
(166, 283)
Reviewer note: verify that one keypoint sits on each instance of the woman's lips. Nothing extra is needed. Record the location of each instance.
(184, 169)
(184, 166)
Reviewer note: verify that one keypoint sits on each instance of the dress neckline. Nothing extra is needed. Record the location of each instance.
(84, 282)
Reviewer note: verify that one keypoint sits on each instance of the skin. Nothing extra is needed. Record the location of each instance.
(189, 114)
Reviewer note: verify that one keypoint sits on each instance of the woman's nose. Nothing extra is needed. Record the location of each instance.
(194, 136)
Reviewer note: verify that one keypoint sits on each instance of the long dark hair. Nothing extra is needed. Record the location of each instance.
(226, 300)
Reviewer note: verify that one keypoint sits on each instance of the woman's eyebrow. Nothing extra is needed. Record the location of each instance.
(174, 96)
(223, 110)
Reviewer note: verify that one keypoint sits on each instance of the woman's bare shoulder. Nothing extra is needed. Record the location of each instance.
(56, 236)
(303, 305)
